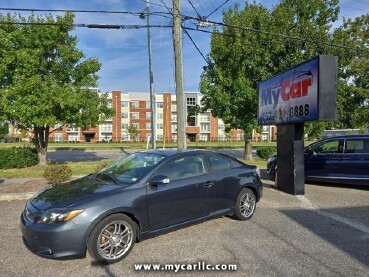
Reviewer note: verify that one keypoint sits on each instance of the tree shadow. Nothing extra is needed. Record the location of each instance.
(352, 238)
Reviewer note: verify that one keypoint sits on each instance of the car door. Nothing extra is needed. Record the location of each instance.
(323, 160)
(226, 184)
(184, 198)
(355, 161)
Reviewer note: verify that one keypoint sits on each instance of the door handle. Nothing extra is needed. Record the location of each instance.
(208, 184)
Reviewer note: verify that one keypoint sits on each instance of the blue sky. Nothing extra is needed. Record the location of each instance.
(123, 53)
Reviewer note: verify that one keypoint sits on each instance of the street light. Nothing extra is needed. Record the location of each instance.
(152, 95)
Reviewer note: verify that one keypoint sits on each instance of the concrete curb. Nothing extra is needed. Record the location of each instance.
(16, 196)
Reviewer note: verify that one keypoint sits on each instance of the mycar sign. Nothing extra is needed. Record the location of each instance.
(304, 93)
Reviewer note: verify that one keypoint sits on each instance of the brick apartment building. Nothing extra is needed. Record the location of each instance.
(134, 108)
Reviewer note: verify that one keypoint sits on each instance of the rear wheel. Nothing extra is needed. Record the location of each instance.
(245, 205)
(112, 238)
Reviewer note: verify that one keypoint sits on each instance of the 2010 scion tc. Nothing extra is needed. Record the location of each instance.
(136, 197)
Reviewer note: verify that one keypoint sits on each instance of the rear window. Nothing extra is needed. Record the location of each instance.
(357, 146)
(218, 163)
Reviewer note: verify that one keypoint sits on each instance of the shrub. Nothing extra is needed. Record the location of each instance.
(266, 152)
(57, 173)
(101, 166)
(18, 157)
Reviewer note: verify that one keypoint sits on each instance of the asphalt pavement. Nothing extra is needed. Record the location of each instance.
(323, 233)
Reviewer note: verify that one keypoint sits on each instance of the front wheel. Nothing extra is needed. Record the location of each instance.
(245, 205)
(112, 239)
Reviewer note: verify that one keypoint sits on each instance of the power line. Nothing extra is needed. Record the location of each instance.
(164, 14)
(194, 8)
(225, 2)
(278, 35)
(197, 48)
(91, 26)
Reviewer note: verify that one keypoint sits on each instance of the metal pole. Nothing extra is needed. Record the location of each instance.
(181, 139)
(152, 94)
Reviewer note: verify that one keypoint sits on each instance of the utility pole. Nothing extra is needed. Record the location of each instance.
(152, 94)
(181, 134)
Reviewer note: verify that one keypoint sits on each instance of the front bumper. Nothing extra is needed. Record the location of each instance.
(54, 241)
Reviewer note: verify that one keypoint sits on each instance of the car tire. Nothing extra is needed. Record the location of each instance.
(245, 204)
(112, 239)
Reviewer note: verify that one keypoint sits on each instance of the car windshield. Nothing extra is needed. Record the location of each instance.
(132, 168)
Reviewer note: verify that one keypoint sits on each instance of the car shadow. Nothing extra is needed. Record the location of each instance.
(105, 267)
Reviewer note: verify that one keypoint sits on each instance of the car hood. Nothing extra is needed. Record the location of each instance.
(73, 192)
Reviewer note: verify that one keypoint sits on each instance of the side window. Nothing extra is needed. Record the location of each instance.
(331, 146)
(183, 167)
(357, 146)
(219, 163)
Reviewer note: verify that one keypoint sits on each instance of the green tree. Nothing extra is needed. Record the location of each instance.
(248, 50)
(44, 77)
(133, 131)
(4, 129)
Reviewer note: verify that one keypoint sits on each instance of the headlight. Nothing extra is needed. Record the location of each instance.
(55, 216)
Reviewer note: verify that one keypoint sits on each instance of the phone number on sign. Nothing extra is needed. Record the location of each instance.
(285, 114)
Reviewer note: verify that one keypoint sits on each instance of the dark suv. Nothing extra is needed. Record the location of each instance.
(341, 159)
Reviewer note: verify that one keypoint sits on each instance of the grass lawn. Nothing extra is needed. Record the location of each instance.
(79, 169)
(140, 145)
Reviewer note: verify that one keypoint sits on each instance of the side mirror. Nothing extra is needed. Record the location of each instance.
(159, 180)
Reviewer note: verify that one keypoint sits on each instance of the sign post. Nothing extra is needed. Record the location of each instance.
(307, 92)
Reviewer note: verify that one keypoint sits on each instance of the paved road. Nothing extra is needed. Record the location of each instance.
(324, 233)
(97, 155)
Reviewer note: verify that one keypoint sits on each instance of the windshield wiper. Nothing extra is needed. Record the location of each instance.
(103, 174)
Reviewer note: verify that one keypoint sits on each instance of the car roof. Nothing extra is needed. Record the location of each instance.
(174, 151)
(347, 136)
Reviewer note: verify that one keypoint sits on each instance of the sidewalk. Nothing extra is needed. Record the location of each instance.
(20, 188)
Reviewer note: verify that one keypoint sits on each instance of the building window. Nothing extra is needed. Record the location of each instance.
(159, 137)
(148, 104)
(160, 115)
(136, 125)
(191, 101)
(160, 126)
(221, 137)
(73, 138)
(124, 126)
(135, 104)
(174, 137)
(106, 138)
(148, 126)
(72, 129)
(205, 127)
(174, 117)
(124, 114)
(204, 137)
(221, 127)
(124, 104)
(125, 137)
(239, 136)
(148, 115)
(106, 127)
(58, 137)
(159, 105)
(135, 115)
(174, 128)
(204, 117)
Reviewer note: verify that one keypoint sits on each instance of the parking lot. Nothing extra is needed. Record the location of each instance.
(324, 233)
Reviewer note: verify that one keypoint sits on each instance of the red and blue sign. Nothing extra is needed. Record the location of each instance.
(290, 97)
